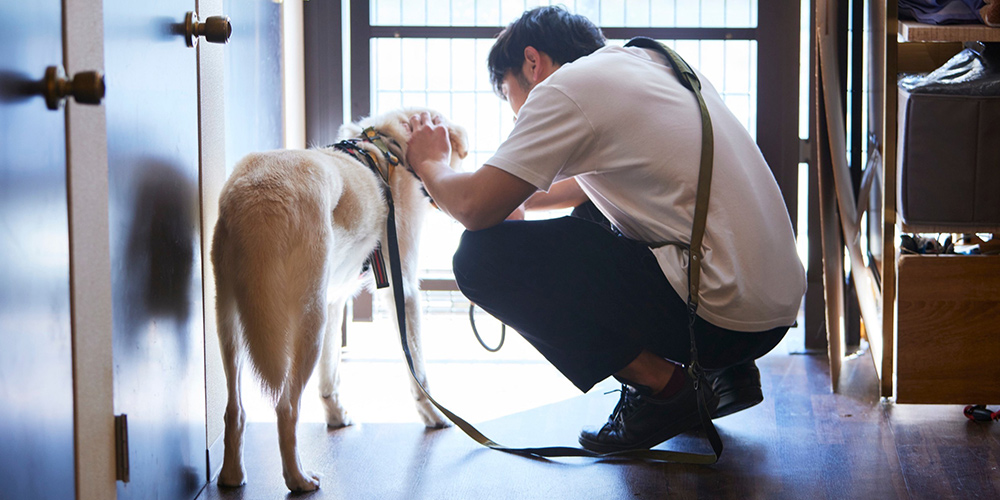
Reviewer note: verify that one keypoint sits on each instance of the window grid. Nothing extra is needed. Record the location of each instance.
(619, 13)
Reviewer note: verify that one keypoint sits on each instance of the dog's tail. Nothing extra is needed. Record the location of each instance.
(256, 288)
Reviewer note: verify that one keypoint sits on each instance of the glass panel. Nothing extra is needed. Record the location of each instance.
(463, 55)
(438, 65)
(663, 13)
(712, 62)
(386, 12)
(487, 13)
(414, 12)
(737, 64)
(386, 74)
(738, 13)
(414, 64)
(612, 13)
(591, 9)
(713, 13)
(637, 12)
(609, 13)
(438, 15)
(510, 10)
(463, 12)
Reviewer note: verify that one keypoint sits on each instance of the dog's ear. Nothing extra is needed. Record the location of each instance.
(348, 131)
(459, 140)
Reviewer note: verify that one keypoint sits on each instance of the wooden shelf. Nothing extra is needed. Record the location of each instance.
(947, 343)
(911, 31)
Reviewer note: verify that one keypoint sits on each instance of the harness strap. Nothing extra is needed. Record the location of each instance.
(375, 262)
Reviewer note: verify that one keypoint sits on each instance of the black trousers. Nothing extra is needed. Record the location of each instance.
(589, 299)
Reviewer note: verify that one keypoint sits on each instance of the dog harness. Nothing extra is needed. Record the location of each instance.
(375, 262)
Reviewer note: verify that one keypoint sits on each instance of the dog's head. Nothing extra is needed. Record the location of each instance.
(395, 127)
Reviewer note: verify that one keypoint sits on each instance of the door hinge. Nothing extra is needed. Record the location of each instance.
(121, 448)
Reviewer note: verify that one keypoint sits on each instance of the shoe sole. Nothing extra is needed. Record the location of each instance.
(681, 427)
(738, 400)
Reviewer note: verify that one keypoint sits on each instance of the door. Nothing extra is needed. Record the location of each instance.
(253, 78)
(154, 227)
(36, 384)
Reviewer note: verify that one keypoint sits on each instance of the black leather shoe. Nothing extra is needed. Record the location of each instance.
(738, 388)
(639, 421)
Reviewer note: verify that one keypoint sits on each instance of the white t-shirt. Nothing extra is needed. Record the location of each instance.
(623, 125)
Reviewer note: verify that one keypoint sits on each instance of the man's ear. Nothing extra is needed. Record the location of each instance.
(536, 64)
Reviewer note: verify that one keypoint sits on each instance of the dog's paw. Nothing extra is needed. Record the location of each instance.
(300, 482)
(432, 418)
(233, 477)
(336, 415)
(338, 421)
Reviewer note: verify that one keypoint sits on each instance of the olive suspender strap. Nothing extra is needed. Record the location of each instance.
(690, 80)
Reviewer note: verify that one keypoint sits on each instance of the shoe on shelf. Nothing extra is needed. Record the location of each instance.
(738, 388)
(640, 421)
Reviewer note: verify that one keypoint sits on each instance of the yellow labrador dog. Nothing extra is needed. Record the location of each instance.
(295, 230)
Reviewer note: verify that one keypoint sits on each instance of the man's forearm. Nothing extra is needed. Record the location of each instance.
(478, 199)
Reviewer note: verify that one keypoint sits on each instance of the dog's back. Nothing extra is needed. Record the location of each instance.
(270, 252)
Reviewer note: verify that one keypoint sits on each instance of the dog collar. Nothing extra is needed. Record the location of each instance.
(372, 136)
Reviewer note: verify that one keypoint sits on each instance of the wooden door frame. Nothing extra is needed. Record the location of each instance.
(90, 260)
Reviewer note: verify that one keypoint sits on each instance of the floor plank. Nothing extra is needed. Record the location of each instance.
(801, 442)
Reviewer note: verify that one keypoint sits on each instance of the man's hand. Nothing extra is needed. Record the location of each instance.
(429, 143)
(478, 199)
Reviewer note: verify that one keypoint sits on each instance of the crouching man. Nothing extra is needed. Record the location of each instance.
(615, 127)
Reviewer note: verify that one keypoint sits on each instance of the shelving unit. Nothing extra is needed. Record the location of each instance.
(911, 31)
(940, 334)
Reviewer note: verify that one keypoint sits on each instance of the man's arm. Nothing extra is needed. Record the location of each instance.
(563, 194)
(477, 200)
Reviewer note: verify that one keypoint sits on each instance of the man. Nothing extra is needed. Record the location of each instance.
(615, 126)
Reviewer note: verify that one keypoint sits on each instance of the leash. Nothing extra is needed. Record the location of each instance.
(690, 80)
(475, 331)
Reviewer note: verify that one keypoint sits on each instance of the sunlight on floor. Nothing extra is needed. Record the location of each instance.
(473, 383)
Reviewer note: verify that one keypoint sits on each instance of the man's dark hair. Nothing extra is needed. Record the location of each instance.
(562, 36)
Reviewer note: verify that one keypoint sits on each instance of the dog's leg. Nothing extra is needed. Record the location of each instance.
(428, 413)
(411, 292)
(329, 368)
(306, 348)
(233, 474)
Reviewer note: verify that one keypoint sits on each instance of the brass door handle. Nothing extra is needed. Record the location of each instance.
(215, 29)
(86, 87)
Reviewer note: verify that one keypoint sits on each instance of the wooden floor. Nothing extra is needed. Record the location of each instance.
(801, 442)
